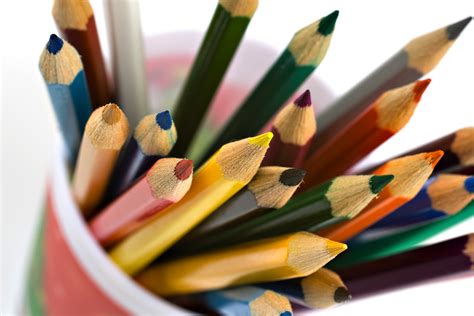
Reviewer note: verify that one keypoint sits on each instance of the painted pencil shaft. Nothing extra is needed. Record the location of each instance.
(222, 176)
(220, 43)
(153, 138)
(128, 58)
(104, 136)
(304, 53)
(61, 67)
(415, 60)
(284, 257)
(76, 22)
(400, 241)
(408, 268)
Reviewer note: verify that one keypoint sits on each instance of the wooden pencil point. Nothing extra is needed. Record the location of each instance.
(377, 183)
(54, 44)
(327, 24)
(419, 88)
(292, 177)
(72, 14)
(111, 113)
(434, 157)
(304, 99)
(183, 169)
(449, 193)
(240, 8)
(463, 146)
(455, 29)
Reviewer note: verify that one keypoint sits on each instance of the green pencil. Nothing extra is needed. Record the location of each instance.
(334, 201)
(399, 242)
(220, 43)
(302, 56)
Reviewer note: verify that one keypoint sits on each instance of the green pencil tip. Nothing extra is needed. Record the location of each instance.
(377, 183)
(326, 25)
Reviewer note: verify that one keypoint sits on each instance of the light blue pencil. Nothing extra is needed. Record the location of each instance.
(247, 301)
(62, 70)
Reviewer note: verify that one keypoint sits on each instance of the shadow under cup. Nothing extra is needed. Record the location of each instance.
(69, 272)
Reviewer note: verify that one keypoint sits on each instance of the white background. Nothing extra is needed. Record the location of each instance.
(366, 34)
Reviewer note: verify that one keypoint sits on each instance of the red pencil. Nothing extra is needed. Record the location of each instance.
(293, 128)
(164, 184)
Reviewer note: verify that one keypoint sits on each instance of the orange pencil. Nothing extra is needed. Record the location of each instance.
(410, 172)
(164, 184)
(384, 118)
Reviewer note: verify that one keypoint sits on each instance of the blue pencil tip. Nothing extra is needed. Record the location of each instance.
(286, 313)
(469, 184)
(164, 120)
(54, 44)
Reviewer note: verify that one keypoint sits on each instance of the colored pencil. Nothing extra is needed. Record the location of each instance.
(294, 128)
(61, 68)
(75, 20)
(322, 289)
(284, 257)
(410, 172)
(220, 43)
(381, 120)
(223, 175)
(412, 62)
(441, 196)
(400, 241)
(128, 57)
(247, 301)
(165, 184)
(104, 135)
(448, 258)
(302, 56)
(458, 150)
(153, 138)
(271, 188)
(337, 200)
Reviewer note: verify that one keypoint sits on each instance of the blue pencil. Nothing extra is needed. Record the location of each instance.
(247, 301)
(442, 195)
(62, 70)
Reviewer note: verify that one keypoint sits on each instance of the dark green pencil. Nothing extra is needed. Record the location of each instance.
(302, 56)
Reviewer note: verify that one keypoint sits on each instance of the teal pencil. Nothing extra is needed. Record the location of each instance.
(62, 70)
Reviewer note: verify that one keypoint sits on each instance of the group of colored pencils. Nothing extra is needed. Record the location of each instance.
(267, 212)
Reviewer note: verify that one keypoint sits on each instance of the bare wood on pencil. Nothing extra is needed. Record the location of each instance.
(456, 200)
(240, 8)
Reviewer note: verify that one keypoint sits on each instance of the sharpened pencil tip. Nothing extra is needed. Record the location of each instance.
(455, 29)
(335, 247)
(377, 183)
(292, 177)
(183, 169)
(469, 184)
(304, 99)
(286, 313)
(164, 120)
(420, 88)
(111, 113)
(54, 44)
(261, 140)
(434, 157)
(341, 295)
(327, 24)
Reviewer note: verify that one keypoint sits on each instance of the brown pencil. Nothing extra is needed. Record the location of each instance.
(104, 135)
(75, 20)
(385, 117)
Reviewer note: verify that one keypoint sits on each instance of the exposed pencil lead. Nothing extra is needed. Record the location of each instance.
(164, 120)
(377, 183)
(54, 44)
(434, 157)
(261, 140)
(292, 177)
(304, 99)
(455, 29)
(469, 184)
(183, 169)
(327, 24)
(341, 295)
(419, 88)
(111, 113)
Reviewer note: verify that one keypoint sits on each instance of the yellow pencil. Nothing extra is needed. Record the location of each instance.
(105, 133)
(223, 175)
(284, 257)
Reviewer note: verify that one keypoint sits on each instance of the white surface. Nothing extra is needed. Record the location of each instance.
(383, 26)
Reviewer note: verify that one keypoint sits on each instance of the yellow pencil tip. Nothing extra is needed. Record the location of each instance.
(261, 140)
(334, 246)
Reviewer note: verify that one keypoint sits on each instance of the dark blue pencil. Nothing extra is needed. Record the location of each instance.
(62, 70)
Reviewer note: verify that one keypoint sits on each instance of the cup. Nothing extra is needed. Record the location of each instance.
(70, 274)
